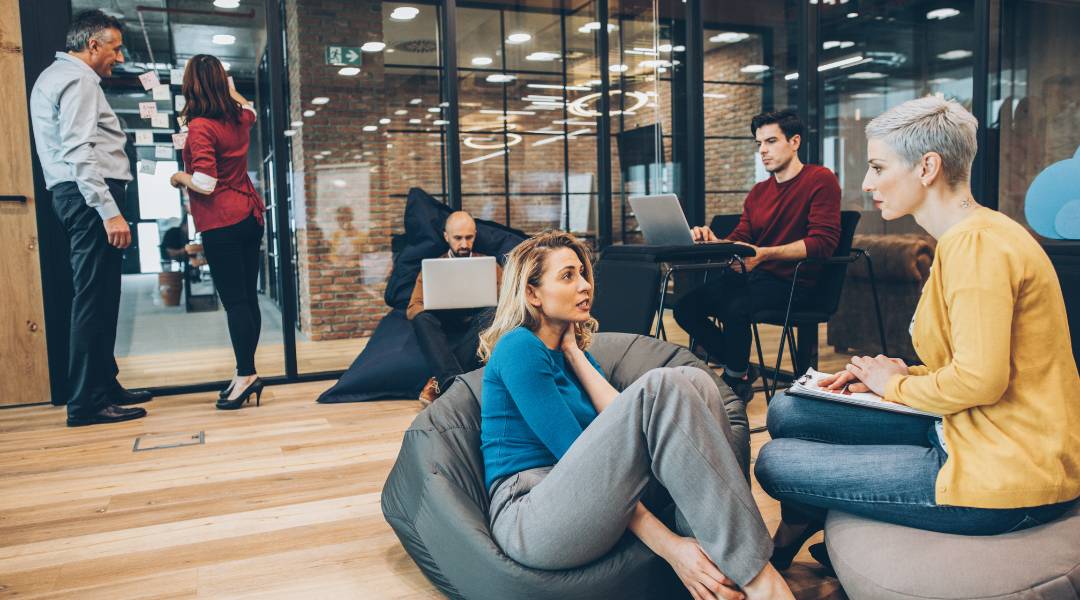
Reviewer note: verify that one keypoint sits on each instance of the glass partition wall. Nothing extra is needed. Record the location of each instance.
(356, 109)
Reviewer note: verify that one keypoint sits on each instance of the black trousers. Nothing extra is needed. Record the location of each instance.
(233, 255)
(449, 340)
(95, 306)
(732, 298)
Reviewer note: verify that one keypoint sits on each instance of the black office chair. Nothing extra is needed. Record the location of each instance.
(820, 306)
(625, 298)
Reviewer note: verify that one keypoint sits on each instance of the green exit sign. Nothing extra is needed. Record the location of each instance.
(343, 56)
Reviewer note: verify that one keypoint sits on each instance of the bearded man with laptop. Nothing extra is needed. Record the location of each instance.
(453, 301)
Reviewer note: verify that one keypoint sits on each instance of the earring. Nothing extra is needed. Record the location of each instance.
(965, 203)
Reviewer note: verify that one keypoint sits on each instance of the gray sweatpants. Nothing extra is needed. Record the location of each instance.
(670, 427)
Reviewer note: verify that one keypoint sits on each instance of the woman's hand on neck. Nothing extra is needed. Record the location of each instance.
(944, 207)
(551, 332)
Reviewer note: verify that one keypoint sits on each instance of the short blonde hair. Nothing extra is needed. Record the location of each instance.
(930, 124)
(524, 267)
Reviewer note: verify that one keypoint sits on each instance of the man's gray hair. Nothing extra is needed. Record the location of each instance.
(930, 124)
(86, 26)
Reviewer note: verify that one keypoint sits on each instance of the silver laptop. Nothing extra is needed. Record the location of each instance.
(662, 220)
(459, 282)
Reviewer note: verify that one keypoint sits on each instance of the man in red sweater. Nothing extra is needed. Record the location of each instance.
(792, 215)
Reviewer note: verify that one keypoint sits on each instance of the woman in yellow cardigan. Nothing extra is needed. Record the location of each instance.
(990, 326)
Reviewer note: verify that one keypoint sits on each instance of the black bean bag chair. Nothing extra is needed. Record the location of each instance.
(391, 365)
(435, 500)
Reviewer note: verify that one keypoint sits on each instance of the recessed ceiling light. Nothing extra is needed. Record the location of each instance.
(618, 68)
(829, 45)
(791, 76)
(954, 54)
(440, 122)
(595, 26)
(481, 61)
(867, 75)
(384, 121)
(679, 48)
(942, 14)
(415, 121)
(373, 47)
(729, 37)
(543, 56)
(227, 3)
(296, 123)
(223, 39)
(404, 13)
(755, 68)
(852, 15)
(500, 78)
(320, 100)
(370, 127)
(664, 47)
(349, 71)
(309, 113)
(434, 109)
(401, 111)
(289, 132)
(518, 38)
(415, 101)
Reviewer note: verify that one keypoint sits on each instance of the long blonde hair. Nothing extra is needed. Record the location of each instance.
(524, 267)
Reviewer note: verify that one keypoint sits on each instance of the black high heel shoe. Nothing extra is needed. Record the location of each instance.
(256, 387)
(783, 555)
(223, 394)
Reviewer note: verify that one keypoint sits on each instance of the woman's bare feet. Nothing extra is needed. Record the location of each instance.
(768, 585)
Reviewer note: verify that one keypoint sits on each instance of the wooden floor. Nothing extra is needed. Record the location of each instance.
(281, 501)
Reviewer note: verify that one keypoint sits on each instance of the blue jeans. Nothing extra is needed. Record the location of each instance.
(872, 463)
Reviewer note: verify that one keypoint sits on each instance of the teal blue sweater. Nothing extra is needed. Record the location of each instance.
(532, 408)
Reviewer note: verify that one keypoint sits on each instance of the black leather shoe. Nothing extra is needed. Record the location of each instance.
(128, 397)
(109, 414)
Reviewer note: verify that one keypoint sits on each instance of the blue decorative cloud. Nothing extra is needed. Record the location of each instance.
(1052, 204)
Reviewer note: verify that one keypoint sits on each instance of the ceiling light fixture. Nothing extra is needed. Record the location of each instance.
(754, 69)
(555, 86)
(791, 76)
(223, 39)
(371, 127)
(373, 46)
(580, 108)
(543, 56)
(852, 15)
(954, 54)
(296, 123)
(499, 78)
(227, 3)
(479, 143)
(518, 38)
(843, 62)
(618, 68)
(320, 100)
(384, 121)
(404, 13)
(401, 111)
(941, 14)
(349, 71)
(729, 37)
(867, 75)
(481, 61)
(309, 113)
(289, 132)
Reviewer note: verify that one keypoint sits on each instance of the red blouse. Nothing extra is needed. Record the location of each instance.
(219, 149)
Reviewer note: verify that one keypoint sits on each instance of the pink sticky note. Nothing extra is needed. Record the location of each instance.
(179, 139)
(149, 80)
(147, 110)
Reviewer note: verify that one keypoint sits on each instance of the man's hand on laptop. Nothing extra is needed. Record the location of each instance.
(703, 235)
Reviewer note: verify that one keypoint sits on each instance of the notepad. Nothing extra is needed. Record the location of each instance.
(807, 386)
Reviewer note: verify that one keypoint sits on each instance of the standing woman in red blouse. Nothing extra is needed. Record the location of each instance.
(226, 209)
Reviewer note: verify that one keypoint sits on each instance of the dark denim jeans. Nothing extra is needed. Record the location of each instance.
(872, 463)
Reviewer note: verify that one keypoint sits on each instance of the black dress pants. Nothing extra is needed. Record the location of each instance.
(732, 298)
(95, 306)
(233, 255)
(449, 340)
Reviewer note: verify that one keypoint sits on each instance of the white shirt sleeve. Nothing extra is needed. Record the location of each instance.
(203, 183)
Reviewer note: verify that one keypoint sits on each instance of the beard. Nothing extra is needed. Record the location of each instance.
(462, 254)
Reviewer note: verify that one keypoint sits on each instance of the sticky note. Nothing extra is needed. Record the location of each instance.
(147, 109)
(149, 80)
(163, 152)
(179, 139)
(176, 77)
(144, 137)
(179, 102)
(160, 120)
(161, 92)
(148, 167)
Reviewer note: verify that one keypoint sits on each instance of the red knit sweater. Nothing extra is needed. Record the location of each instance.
(805, 207)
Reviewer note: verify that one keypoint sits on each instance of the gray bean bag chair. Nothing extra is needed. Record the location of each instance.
(880, 561)
(435, 500)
